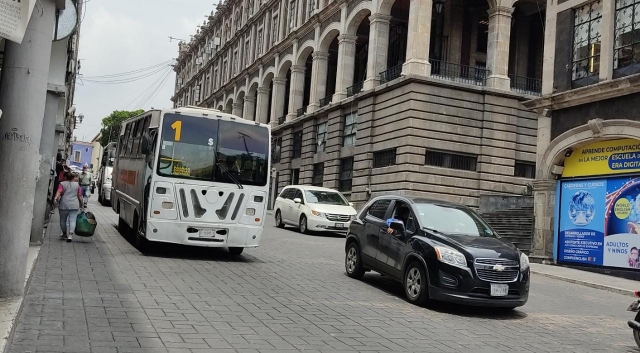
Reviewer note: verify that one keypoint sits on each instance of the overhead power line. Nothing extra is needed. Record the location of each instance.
(156, 91)
(128, 73)
(144, 93)
(127, 79)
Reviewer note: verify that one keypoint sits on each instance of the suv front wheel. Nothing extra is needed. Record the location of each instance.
(415, 284)
(352, 263)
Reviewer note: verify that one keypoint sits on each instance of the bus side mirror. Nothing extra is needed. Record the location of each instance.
(146, 144)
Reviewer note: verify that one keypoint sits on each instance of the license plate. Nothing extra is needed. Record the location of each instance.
(339, 225)
(634, 306)
(207, 233)
(499, 290)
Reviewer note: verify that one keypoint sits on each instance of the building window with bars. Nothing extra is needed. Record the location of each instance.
(295, 176)
(297, 144)
(626, 55)
(276, 149)
(525, 170)
(451, 160)
(318, 171)
(586, 43)
(350, 129)
(321, 137)
(346, 174)
(384, 158)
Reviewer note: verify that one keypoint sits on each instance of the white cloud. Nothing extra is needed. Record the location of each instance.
(125, 35)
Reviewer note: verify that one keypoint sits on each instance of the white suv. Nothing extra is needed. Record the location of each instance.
(313, 209)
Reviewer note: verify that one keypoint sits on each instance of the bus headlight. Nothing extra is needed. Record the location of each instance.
(167, 205)
(251, 211)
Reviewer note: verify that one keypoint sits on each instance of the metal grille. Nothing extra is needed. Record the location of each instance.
(525, 170)
(384, 158)
(325, 101)
(526, 85)
(300, 112)
(346, 174)
(486, 272)
(391, 74)
(492, 262)
(450, 160)
(338, 217)
(459, 73)
(355, 89)
(297, 144)
(318, 171)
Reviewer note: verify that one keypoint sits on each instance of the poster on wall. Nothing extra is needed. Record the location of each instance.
(600, 222)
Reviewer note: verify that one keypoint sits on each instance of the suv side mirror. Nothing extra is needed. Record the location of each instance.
(146, 144)
(297, 200)
(397, 226)
(351, 204)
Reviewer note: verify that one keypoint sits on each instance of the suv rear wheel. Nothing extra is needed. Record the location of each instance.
(352, 263)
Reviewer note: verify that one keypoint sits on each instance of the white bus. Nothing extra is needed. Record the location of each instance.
(192, 176)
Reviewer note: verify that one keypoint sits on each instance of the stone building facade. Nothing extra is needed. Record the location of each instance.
(590, 91)
(418, 97)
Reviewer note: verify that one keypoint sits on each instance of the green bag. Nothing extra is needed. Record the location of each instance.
(86, 224)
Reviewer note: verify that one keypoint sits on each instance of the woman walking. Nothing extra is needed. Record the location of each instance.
(69, 201)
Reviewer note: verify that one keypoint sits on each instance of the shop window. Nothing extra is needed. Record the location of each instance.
(297, 144)
(525, 170)
(451, 160)
(318, 171)
(384, 158)
(586, 44)
(346, 174)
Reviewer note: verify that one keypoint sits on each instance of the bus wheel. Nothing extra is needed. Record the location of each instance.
(122, 226)
(235, 251)
(141, 241)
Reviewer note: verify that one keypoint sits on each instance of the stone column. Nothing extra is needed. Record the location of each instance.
(237, 109)
(296, 91)
(544, 198)
(249, 110)
(262, 105)
(318, 79)
(277, 106)
(608, 36)
(549, 48)
(346, 65)
(378, 47)
(418, 38)
(498, 47)
(454, 18)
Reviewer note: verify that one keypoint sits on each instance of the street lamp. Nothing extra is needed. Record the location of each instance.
(439, 5)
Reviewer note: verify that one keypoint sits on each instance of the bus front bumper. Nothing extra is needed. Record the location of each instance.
(214, 235)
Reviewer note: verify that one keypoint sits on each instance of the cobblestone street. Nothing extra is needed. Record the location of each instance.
(291, 294)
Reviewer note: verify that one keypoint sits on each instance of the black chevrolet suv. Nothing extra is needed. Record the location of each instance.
(437, 250)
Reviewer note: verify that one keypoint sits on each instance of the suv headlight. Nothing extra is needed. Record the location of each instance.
(451, 257)
(524, 262)
(353, 218)
(318, 214)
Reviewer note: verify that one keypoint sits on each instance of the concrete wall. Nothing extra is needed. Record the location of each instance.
(58, 65)
(413, 115)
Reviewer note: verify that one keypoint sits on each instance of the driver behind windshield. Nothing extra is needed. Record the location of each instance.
(401, 215)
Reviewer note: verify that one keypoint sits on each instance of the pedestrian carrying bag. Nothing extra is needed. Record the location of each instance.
(86, 224)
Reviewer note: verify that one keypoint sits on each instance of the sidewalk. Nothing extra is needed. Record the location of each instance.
(10, 307)
(586, 278)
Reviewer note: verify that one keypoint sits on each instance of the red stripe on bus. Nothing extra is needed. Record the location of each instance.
(128, 177)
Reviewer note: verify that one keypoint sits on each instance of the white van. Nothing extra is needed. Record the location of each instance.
(313, 209)
(104, 185)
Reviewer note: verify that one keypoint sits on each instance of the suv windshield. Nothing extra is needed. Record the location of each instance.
(325, 197)
(213, 150)
(452, 220)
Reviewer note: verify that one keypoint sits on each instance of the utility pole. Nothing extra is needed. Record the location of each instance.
(22, 99)
(47, 142)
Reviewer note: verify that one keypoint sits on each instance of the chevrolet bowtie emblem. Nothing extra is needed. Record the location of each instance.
(498, 268)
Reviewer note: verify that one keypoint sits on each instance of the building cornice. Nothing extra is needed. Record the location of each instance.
(594, 93)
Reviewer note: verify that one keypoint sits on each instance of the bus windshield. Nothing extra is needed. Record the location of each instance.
(213, 150)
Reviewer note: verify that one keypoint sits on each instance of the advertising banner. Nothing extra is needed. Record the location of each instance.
(600, 222)
(14, 18)
(604, 158)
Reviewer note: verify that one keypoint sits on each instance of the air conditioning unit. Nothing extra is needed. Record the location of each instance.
(216, 41)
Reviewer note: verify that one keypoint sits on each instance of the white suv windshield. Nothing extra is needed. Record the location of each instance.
(325, 197)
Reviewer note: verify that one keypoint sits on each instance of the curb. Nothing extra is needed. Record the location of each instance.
(587, 283)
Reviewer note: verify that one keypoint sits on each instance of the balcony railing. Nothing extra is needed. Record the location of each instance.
(526, 85)
(282, 119)
(355, 89)
(325, 101)
(459, 73)
(391, 74)
(300, 112)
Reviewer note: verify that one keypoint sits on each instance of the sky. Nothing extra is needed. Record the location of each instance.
(119, 36)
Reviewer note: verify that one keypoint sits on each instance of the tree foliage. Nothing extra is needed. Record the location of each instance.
(111, 125)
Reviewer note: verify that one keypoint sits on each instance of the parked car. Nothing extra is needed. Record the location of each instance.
(104, 185)
(313, 208)
(437, 250)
